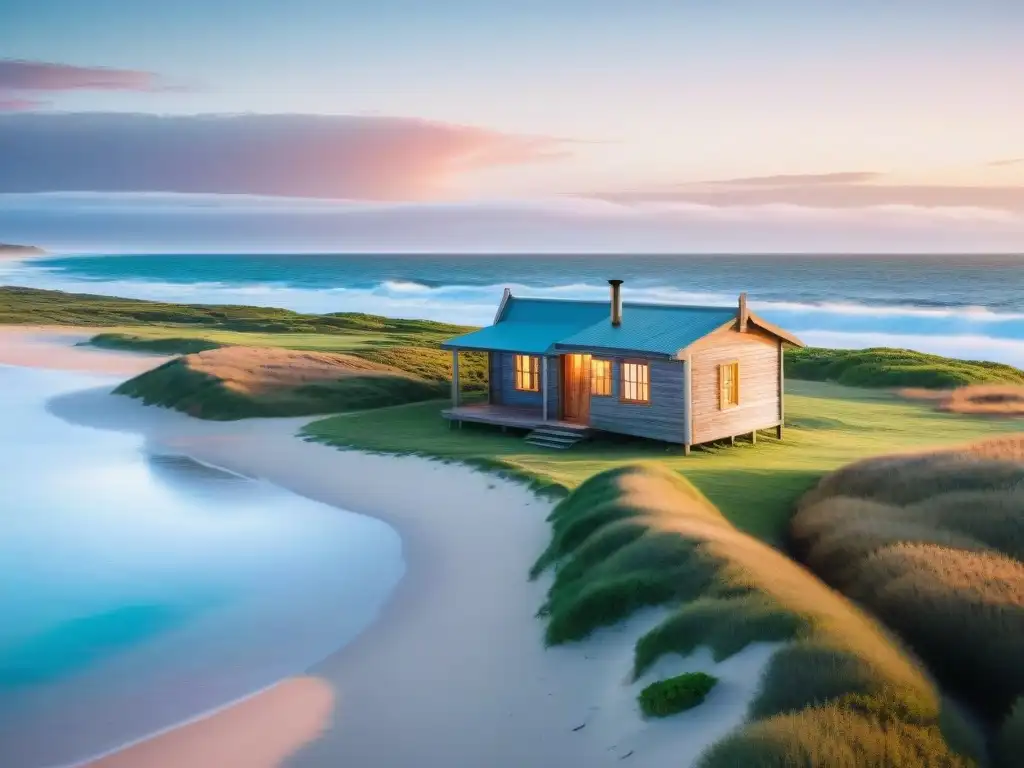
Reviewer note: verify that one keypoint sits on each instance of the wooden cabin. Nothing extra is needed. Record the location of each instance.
(680, 374)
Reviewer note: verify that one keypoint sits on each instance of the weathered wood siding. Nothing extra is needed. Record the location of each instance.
(661, 419)
(503, 384)
(494, 378)
(760, 400)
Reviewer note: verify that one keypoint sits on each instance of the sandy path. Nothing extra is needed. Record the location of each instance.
(454, 673)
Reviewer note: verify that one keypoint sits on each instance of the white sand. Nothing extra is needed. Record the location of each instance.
(454, 673)
(55, 347)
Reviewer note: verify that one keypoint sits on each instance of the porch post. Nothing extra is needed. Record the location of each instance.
(544, 385)
(455, 378)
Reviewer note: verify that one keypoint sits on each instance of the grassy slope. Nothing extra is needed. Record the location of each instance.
(933, 544)
(128, 324)
(884, 367)
(830, 426)
(641, 535)
(243, 382)
(29, 306)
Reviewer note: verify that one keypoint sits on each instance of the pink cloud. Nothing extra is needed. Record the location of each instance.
(19, 105)
(322, 156)
(20, 75)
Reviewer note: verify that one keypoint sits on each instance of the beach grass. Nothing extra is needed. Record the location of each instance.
(887, 367)
(933, 544)
(755, 486)
(241, 382)
(32, 306)
(836, 664)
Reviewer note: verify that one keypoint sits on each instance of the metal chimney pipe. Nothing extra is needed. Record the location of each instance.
(744, 314)
(616, 302)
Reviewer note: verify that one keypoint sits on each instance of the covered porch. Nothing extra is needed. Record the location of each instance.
(517, 417)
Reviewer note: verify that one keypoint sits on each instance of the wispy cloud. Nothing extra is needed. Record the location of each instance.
(357, 157)
(21, 81)
(1006, 162)
(178, 223)
(831, 196)
(21, 75)
(801, 179)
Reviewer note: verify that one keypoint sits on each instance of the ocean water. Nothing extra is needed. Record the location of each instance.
(968, 306)
(139, 590)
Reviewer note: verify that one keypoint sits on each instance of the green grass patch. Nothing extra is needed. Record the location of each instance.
(676, 694)
(886, 367)
(755, 486)
(33, 306)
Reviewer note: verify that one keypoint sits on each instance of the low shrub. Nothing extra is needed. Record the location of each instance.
(157, 345)
(676, 694)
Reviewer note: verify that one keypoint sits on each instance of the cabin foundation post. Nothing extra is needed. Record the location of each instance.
(686, 449)
(732, 439)
(455, 378)
(753, 437)
(778, 431)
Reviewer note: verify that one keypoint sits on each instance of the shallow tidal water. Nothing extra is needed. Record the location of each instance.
(140, 590)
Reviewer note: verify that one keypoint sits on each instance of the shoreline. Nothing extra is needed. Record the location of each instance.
(453, 669)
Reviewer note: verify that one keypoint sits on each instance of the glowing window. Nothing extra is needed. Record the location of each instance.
(600, 377)
(527, 373)
(636, 383)
(729, 385)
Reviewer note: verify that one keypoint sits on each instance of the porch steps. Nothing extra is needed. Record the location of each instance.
(555, 437)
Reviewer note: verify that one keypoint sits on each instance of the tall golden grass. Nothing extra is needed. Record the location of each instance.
(641, 535)
(933, 544)
(244, 382)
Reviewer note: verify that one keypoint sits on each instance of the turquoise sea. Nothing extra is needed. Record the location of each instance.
(969, 306)
(138, 590)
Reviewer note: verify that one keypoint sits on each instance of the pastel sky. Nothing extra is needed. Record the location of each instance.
(868, 111)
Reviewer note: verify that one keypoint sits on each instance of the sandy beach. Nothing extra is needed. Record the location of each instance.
(454, 672)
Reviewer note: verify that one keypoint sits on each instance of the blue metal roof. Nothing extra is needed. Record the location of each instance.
(536, 326)
(652, 329)
(530, 338)
(578, 314)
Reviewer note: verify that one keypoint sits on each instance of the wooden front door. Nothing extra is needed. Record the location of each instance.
(576, 388)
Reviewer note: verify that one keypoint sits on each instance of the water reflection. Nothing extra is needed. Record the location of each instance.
(138, 590)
